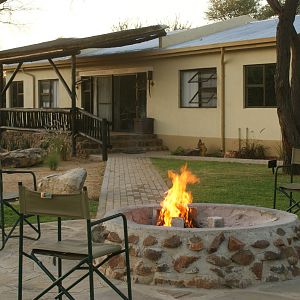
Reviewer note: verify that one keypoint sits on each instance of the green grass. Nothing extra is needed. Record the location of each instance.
(220, 182)
(11, 217)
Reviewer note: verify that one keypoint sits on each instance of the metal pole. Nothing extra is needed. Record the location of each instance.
(73, 110)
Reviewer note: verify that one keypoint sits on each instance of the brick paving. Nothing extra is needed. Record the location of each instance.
(129, 180)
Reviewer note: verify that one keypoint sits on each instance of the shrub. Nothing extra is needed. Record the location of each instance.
(252, 150)
(178, 151)
(53, 160)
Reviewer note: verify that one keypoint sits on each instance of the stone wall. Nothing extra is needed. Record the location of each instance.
(234, 258)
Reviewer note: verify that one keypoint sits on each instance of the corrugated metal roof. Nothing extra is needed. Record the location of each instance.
(251, 31)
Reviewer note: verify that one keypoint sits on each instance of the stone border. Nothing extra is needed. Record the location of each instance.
(210, 258)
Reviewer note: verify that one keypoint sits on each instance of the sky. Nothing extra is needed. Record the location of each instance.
(48, 20)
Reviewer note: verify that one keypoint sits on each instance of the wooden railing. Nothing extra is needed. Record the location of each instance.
(94, 128)
(38, 119)
(35, 119)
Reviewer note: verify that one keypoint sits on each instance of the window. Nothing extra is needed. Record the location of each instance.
(198, 88)
(17, 94)
(260, 86)
(48, 90)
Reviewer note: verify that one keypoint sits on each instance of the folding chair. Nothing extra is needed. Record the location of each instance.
(289, 189)
(85, 251)
(6, 200)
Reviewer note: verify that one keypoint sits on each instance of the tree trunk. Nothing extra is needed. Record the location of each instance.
(287, 92)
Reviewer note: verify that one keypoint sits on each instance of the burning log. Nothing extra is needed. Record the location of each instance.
(177, 199)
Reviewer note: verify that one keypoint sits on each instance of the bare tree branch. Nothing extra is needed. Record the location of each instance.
(275, 5)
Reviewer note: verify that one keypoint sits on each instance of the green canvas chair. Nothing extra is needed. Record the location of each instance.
(85, 251)
(290, 189)
(6, 201)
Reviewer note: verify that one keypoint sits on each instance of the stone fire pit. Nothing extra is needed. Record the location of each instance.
(255, 245)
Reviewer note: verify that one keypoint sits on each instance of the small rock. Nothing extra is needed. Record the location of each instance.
(289, 241)
(99, 234)
(278, 243)
(153, 254)
(270, 255)
(288, 252)
(218, 271)
(149, 241)
(261, 244)
(292, 260)
(196, 244)
(234, 244)
(117, 262)
(243, 257)
(182, 262)
(217, 241)
(217, 260)
(297, 248)
(193, 271)
(280, 231)
(278, 269)
(114, 238)
(162, 268)
(295, 271)
(142, 270)
(172, 242)
(134, 251)
(133, 239)
(257, 269)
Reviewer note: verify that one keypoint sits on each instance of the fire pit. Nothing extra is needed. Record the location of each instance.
(207, 245)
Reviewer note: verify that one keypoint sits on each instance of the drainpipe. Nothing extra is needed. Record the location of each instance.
(33, 86)
(222, 94)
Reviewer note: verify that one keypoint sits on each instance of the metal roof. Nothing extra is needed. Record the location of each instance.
(251, 31)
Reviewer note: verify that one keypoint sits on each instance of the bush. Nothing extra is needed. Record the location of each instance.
(178, 151)
(53, 160)
(252, 151)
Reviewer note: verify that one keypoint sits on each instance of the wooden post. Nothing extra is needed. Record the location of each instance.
(104, 128)
(1, 86)
(73, 109)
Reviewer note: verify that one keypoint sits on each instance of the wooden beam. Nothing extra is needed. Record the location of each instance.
(73, 110)
(36, 57)
(1, 86)
(60, 77)
(12, 78)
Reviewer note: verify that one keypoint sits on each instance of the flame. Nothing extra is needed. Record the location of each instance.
(177, 199)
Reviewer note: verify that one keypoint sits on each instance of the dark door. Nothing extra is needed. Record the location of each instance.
(87, 94)
(104, 93)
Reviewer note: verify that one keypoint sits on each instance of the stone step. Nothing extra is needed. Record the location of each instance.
(138, 149)
(132, 137)
(137, 143)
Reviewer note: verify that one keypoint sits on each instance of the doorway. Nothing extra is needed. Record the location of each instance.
(118, 98)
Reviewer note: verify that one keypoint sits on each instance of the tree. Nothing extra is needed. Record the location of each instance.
(226, 9)
(220, 10)
(173, 24)
(287, 75)
(125, 25)
(7, 8)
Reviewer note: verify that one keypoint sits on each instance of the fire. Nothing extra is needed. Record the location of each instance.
(177, 199)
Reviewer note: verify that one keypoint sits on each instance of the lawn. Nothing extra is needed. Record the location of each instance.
(222, 182)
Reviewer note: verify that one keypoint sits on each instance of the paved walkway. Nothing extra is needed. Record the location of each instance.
(129, 180)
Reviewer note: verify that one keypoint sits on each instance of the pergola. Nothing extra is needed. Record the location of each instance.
(65, 47)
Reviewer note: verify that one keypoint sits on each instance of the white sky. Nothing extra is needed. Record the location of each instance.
(79, 18)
